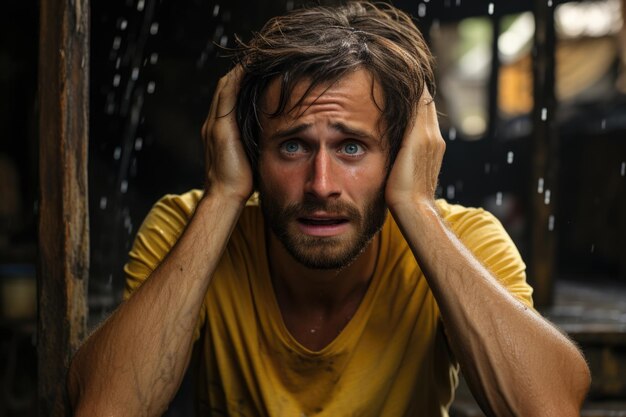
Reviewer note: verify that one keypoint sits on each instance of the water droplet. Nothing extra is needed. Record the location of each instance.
(490, 10)
(151, 87)
(138, 144)
(216, 10)
(140, 5)
(540, 186)
(313, 330)
(603, 124)
(289, 5)
(124, 186)
(154, 28)
(118, 61)
(103, 203)
(117, 41)
(426, 1)
(498, 198)
(551, 222)
(117, 152)
(546, 197)
(450, 192)
(458, 2)
(452, 133)
(549, 3)
(135, 74)
(123, 24)
(223, 41)
(487, 168)
(116, 80)
(593, 248)
(509, 157)
(154, 57)
(544, 114)
(622, 169)
(421, 10)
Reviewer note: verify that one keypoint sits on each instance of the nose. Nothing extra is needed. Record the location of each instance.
(322, 182)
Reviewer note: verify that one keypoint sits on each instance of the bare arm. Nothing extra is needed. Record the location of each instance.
(515, 362)
(134, 363)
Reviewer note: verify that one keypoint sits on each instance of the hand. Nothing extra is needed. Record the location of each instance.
(413, 177)
(227, 168)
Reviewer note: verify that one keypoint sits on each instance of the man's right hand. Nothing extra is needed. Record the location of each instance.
(228, 171)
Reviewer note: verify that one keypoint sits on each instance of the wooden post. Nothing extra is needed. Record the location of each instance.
(63, 205)
(544, 154)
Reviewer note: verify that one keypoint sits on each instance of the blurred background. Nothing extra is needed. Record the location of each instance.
(154, 65)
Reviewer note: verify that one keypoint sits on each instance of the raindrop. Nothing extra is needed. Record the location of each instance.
(458, 2)
(490, 10)
(118, 61)
(151, 86)
(124, 186)
(622, 170)
(116, 80)
(452, 133)
(487, 168)
(546, 197)
(154, 57)
(289, 5)
(498, 198)
(551, 222)
(540, 186)
(216, 10)
(544, 114)
(450, 191)
(135, 74)
(426, 1)
(117, 41)
(549, 3)
(117, 152)
(421, 10)
(509, 157)
(123, 24)
(103, 203)
(154, 28)
(138, 144)
(223, 41)
(140, 5)
(593, 248)
(603, 124)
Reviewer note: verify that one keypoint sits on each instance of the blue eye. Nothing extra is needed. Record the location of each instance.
(291, 147)
(352, 149)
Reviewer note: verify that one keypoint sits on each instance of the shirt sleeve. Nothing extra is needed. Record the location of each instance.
(157, 235)
(483, 234)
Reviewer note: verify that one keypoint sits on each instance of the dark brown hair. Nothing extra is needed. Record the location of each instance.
(321, 45)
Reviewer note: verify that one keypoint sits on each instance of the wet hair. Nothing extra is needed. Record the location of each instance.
(323, 44)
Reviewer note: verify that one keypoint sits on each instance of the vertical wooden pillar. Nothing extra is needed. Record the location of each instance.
(544, 154)
(63, 205)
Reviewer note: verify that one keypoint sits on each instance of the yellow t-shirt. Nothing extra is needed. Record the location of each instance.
(391, 359)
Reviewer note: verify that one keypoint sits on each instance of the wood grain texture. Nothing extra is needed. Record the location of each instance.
(63, 204)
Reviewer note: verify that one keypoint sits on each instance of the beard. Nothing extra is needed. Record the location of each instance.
(316, 252)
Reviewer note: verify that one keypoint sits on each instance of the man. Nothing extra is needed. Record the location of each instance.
(317, 301)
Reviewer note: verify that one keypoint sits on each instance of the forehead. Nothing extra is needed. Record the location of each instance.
(355, 98)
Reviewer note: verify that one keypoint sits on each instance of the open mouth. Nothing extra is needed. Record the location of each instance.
(322, 222)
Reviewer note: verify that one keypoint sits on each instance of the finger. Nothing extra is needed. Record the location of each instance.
(427, 113)
(230, 81)
(231, 84)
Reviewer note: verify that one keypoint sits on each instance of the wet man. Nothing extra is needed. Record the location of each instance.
(345, 289)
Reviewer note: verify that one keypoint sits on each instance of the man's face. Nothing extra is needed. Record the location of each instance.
(322, 170)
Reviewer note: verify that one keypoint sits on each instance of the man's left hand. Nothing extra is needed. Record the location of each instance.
(413, 177)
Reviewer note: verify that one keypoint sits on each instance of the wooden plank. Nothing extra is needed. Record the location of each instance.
(63, 212)
(544, 163)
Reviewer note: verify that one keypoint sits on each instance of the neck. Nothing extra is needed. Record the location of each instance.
(301, 288)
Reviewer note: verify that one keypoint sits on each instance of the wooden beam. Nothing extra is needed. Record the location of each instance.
(544, 154)
(63, 205)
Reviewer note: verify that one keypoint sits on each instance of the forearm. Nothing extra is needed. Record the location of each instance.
(134, 363)
(515, 362)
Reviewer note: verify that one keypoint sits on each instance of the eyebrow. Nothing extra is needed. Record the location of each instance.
(338, 126)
